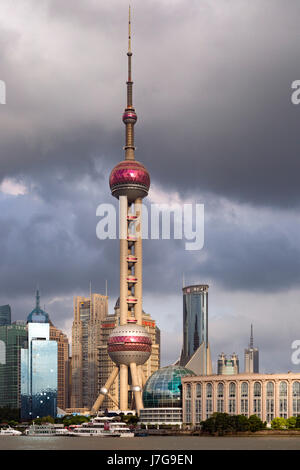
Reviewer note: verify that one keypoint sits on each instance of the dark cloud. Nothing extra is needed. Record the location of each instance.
(215, 123)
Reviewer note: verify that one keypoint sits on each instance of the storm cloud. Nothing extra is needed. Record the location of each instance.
(216, 126)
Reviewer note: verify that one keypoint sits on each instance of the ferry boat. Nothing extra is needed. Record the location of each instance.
(9, 432)
(102, 427)
(47, 430)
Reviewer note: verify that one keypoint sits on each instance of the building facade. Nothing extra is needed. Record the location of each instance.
(195, 322)
(228, 366)
(86, 333)
(13, 338)
(62, 366)
(39, 373)
(266, 395)
(251, 357)
(106, 365)
(5, 315)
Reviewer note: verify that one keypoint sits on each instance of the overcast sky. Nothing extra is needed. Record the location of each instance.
(216, 126)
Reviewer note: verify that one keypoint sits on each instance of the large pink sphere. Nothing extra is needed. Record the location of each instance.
(129, 343)
(129, 178)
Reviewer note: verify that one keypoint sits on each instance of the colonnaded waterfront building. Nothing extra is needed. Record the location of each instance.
(266, 395)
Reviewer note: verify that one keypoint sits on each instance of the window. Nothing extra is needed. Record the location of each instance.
(188, 396)
(257, 399)
(270, 402)
(209, 404)
(231, 401)
(220, 398)
(198, 407)
(244, 399)
(296, 398)
(283, 400)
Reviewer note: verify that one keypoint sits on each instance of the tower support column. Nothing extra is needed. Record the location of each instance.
(123, 387)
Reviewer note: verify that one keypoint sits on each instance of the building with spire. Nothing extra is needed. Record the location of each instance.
(89, 312)
(251, 356)
(129, 344)
(39, 364)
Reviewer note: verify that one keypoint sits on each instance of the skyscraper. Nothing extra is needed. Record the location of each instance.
(228, 366)
(251, 356)
(62, 366)
(5, 315)
(39, 373)
(14, 338)
(129, 345)
(106, 365)
(86, 332)
(195, 352)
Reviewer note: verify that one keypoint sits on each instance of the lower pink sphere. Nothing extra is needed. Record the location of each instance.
(129, 343)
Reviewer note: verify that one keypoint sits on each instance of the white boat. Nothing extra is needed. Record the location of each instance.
(9, 432)
(46, 430)
(102, 427)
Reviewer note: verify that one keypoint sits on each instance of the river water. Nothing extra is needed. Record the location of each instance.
(150, 443)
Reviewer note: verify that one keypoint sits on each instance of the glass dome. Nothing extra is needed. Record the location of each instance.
(163, 388)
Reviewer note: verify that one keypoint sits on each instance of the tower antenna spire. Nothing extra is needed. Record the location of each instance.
(251, 337)
(129, 30)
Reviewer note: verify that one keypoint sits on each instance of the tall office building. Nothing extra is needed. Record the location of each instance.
(228, 366)
(62, 366)
(106, 365)
(195, 353)
(39, 371)
(251, 357)
(86, 332)
(5, 315)
(12, 338)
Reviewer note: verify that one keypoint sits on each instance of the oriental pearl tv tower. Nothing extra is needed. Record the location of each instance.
(129, 345)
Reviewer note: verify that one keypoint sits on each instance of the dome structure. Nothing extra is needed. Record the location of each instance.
(129, 343)
(129, 178)
(163, 388)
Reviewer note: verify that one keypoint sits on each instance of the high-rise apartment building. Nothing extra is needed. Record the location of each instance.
(12, 338)
(5, 315)
(228, 366)
(106, 365)
(86, 332)
(251, 357)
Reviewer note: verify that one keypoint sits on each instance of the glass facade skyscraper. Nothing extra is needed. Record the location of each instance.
(39, 373)
(195, 320)
(12, 338)
(5, 315)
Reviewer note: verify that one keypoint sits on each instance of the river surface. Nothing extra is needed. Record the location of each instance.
(150, 443)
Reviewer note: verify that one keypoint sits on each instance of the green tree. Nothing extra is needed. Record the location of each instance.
(291, 422)
(278, 423)
(298, 422)
(255, 423)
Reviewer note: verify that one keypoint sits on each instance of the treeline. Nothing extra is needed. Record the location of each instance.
(223, 423)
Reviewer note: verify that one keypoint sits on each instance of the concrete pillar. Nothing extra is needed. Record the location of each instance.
(123, 387)
(138, 265)
(136, 387)
(123, 208)
(105, 389)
